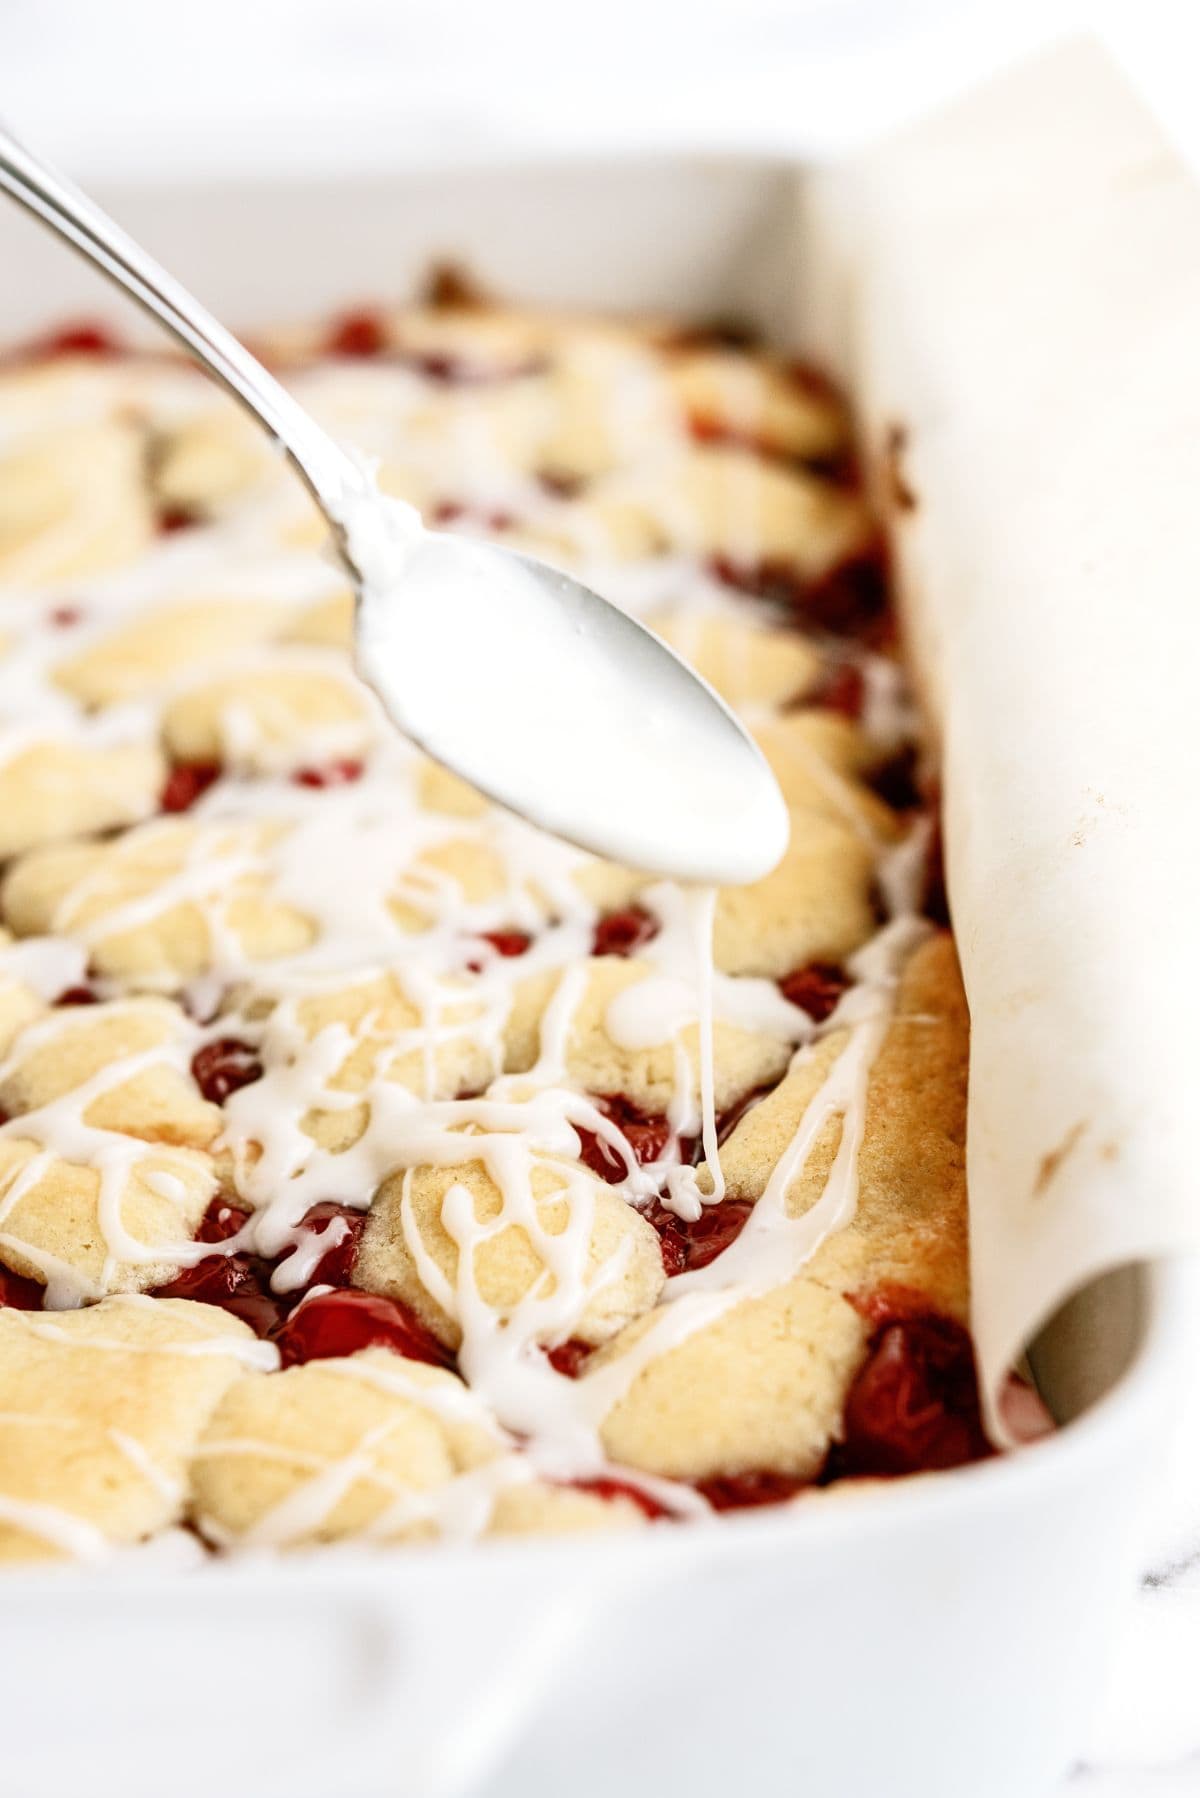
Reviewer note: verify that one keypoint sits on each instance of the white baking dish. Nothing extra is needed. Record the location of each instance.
(940, 1637)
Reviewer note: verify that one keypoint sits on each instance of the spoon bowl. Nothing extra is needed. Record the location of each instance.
(566, 710)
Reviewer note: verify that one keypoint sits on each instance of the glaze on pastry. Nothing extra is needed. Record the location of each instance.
(373, 1166)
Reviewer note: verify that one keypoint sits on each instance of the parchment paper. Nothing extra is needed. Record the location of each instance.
(1025, 324)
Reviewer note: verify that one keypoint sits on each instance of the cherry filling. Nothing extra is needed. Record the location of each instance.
(507, 943)
(606, 1487)
(239, 1284)
(896, 781)
(172, 519)
(361, 333)
(83, 338)
(77, 995)
(449, 287)
(813, 382)
(815, 988)
(687, 1247)
(741, 1491)
(342, 773)
(453, 371)
(224, 1066)
(621, 932)
(449, 511)
(340, 1323)
(708, 428)
(337, 1261)
(20, 1293)
(570, 1357)
(841, 689)
(728, 333)
(851, 599)
(185, 783)
(647, 1134)
(914, 1404)
(221, 1221)
(559, 484)
(63, 618)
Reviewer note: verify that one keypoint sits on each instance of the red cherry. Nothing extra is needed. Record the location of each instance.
(569, 1357)
(706, 427)
(815, 988)
(361, 333)
(842, 688)
(172, 519)
(812, 382)
(453, 371)
(508, 943)
(621, 932)
(689, 1246)
(606, 1487)
(224, 1066)
(20, 1293)
(334, 774)
(646, 1133)
(84, 338)
(221, 1221)
(337, 1262)
(234, 1282)
(77, 995)
(559, 484)
(741, 1491)
(449, 511)
(436, 366)
(340, 1323)
(63, 617)
(185, 783)
(851, 599)
(914, 1404)
(897, 781)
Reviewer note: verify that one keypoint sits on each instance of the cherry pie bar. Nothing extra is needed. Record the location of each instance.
(373, 1166)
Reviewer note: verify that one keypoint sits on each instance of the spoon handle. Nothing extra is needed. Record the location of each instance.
(57, 202)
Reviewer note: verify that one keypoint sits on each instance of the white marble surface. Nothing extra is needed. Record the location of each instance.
(318, 83)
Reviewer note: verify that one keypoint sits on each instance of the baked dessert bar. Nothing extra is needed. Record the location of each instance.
(373, 1166)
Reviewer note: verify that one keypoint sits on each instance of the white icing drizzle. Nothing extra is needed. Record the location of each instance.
(59, 1529)
(378, 885)
(169, 1487)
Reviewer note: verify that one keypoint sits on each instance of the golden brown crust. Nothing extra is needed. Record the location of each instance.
(763, 1386)
(334, 977)
(99, 1411)
(408, 1249)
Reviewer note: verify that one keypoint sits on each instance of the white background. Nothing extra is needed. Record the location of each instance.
(106, 84)
(113, 86)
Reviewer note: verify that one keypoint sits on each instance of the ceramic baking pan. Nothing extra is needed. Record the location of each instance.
(928, 1639)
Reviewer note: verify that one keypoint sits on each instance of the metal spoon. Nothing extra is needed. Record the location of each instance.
(537, 691)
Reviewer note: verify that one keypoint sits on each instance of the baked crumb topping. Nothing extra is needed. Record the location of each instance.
(373, 1165)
